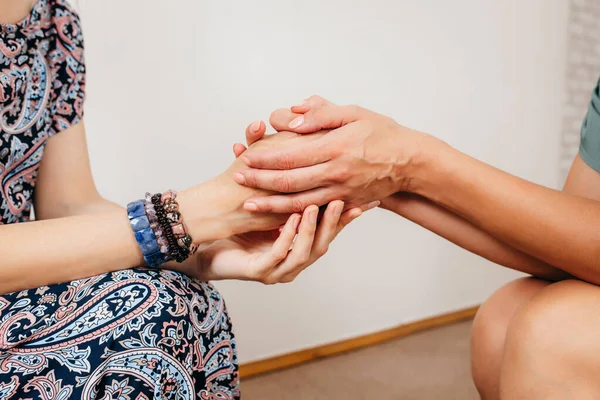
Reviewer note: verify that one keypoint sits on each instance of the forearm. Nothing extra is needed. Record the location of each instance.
(555, 227)
(93, 205)
(461, 232)
(63, 249)
(59, 250)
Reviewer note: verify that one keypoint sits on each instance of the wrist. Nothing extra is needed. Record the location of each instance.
(214, 210)
(431, 166)
(206, 211)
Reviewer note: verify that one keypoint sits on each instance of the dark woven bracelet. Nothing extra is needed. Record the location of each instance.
(176, 252)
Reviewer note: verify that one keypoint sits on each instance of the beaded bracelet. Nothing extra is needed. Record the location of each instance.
(154, 224)
(159, 229)
(176, 252)
(171, 207)
(144, 235)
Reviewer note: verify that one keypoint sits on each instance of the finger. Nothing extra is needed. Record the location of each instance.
(292, 181)
(290, 203)
(268, 260)
(238, 149)
(327, 230)
(290, 157)
(254, 132)
(370, 206)
(280, 119)
(311, 102)
(326, 117)
(350, 215)
(300, 255)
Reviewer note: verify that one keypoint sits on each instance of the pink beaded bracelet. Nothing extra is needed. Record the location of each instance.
(184, 240)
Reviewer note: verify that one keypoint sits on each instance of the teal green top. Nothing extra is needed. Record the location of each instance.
(590, 132)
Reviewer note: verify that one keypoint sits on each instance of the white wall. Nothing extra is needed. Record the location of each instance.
(180, 82)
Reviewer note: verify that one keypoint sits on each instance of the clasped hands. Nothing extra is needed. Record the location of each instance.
(344, 159)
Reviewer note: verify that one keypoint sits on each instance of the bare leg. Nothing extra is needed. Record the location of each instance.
(552, 349)
(489, 332)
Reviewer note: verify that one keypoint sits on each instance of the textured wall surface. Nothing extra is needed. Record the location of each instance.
(582, 72)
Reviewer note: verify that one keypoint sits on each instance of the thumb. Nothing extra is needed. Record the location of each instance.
(311, 102)
(255, 131)
(326, 117)
(238, 149)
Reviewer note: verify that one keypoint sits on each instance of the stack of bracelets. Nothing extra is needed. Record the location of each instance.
(159, 230)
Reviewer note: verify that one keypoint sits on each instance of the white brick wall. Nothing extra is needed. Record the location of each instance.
(582, 72)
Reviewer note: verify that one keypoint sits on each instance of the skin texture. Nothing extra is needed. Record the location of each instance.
(533, 339)
(80, 234)
(554, 227)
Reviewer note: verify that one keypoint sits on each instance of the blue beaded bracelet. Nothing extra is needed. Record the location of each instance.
(144, 235)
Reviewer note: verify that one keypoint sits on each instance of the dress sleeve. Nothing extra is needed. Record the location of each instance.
(589, 149)
(67, 64)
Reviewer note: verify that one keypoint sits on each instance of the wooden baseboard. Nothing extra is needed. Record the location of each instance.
(299, 357)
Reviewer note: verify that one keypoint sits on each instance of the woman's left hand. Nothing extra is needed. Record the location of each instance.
(274, 256)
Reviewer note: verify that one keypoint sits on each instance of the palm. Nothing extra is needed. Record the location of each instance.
(229, 257)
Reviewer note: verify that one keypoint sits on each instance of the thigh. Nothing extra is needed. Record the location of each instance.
(131, 333)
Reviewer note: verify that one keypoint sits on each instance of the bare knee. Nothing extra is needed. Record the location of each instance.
(552, 340)
(489, 332)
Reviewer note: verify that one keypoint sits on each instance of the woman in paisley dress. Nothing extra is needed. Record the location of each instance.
(79, 316)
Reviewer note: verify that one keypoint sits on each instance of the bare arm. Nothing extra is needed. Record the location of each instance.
(559, 228)
(582, 181)
(371, 157)
(79, 234)
(65, 186)
(466, 235)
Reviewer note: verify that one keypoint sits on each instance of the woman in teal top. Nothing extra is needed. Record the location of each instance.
(535, 338)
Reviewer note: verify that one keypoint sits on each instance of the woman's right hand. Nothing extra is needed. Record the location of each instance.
(273, 256)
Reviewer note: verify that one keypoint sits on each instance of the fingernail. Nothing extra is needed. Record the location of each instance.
(245, 160)
(239, 178)
(255, 126)
(356, 216)
(297, 122)
(338, 209)
(301, 104)
(313, 216)
(281, 228)
(373, 204)
(249, 206)
(297, 219)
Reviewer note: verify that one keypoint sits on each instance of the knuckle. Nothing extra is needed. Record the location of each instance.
(340, 174)
(297, 205)
(283, 183)
(268, 281)
(315, 99)
(280, 255)
(300, 260)
(258, 275)
(250, 178)
(353, 108)
(277, 116)
(266, 208)
(303, 259)
(284, 161)
(321, 251)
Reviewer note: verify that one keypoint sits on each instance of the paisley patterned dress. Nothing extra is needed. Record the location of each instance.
(133, 334)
